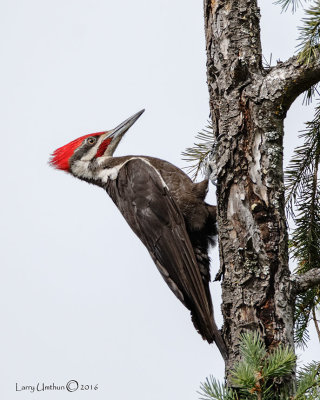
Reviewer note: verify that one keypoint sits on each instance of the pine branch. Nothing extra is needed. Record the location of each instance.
(303, 282)
(257, 383)
(287, 80)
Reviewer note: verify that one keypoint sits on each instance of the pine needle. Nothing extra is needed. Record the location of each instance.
(198, 155)
(285, 4)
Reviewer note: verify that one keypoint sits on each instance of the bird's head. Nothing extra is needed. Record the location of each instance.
(92, 146)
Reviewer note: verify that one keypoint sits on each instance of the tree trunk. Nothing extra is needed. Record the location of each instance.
(248, 105)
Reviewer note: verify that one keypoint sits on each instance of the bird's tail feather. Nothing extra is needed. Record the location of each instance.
(210, 333)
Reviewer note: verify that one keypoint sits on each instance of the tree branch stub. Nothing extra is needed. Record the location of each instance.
(286, 81)
(303, 282)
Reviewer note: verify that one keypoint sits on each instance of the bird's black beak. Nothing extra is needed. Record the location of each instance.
(117, 133)
(124, 126)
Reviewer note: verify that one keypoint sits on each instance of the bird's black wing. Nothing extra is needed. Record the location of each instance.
(145, 202)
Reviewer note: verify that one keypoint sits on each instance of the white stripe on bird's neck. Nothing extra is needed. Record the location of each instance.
(89, 170)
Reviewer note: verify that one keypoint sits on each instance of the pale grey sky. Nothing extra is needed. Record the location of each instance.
(80, 296)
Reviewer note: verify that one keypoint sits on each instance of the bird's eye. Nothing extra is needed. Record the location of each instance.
(91, 140)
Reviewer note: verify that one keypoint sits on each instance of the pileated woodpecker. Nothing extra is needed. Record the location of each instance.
(164, 208)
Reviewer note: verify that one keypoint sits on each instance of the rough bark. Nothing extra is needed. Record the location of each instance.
(248, 105)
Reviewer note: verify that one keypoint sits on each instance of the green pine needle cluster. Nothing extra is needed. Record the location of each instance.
(255, 375)
(310, 34)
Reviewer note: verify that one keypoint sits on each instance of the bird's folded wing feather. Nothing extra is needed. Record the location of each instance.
(142, 197)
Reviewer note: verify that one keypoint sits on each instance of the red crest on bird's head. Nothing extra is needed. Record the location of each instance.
(60, 157)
